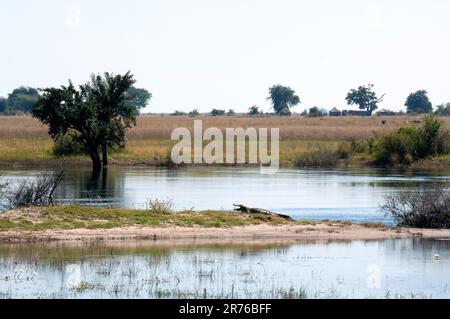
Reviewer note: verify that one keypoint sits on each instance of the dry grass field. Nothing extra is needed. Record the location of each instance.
(23, 138)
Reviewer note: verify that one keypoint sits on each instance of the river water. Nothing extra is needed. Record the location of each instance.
(338, 194)
(358, 269)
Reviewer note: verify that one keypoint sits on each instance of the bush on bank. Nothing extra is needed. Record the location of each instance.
(411, 143)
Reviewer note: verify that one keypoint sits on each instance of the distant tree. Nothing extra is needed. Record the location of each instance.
(194, 112)
(418, 103)
(2, 104)
(216, 112)
(443, 109)
(315, 112)
(99, 111)
(254, 110)
(282, 98)
(365, 98)
(179, 113)
(22, 99)
(231, 112)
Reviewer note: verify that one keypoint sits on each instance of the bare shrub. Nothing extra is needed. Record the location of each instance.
(428, 207)
(34, 192)
(160, 205)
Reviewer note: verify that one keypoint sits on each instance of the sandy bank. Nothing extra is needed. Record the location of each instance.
(252, 233)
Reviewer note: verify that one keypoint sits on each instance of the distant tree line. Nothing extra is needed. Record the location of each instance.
(282, 98)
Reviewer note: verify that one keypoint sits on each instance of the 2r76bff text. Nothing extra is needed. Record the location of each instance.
(246, 308)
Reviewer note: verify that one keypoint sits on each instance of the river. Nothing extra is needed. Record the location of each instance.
(358, 269)
(338, 194)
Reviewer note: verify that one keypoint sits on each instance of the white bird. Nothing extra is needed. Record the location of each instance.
(34, 275)
(437, 256)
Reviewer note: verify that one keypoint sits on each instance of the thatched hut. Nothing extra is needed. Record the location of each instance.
(335, 112)
(285, 112)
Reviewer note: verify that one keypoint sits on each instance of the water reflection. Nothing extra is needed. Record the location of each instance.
(405, 268)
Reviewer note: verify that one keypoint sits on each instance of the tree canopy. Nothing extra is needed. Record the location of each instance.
(217, 112)
(443, 109)
(194, 112)
(365, 98)
(418, 102)
(137, 98)
(99, 111)
(315, 112)
(2, 104)
(21, 100)
(254, 110)
(282, 97)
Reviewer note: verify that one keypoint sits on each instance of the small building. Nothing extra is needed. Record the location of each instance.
(335, 112)
(385, 112)
(285, 112)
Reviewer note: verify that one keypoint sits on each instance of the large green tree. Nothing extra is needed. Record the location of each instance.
(282, 97)
(22, 99)
(364, 97)
(418, 102)
(99, 111)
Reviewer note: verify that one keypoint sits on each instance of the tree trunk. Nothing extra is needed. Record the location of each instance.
(96, 162)
(105, 155)
(104, 178)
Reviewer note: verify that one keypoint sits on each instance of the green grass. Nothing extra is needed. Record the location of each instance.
(152, 151)
(82, 217)
(156, 152)
(76, 217)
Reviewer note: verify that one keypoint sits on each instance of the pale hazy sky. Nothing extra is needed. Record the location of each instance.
(227, 53)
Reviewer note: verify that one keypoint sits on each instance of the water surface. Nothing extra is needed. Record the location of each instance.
(360, 269)
(338, 194)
